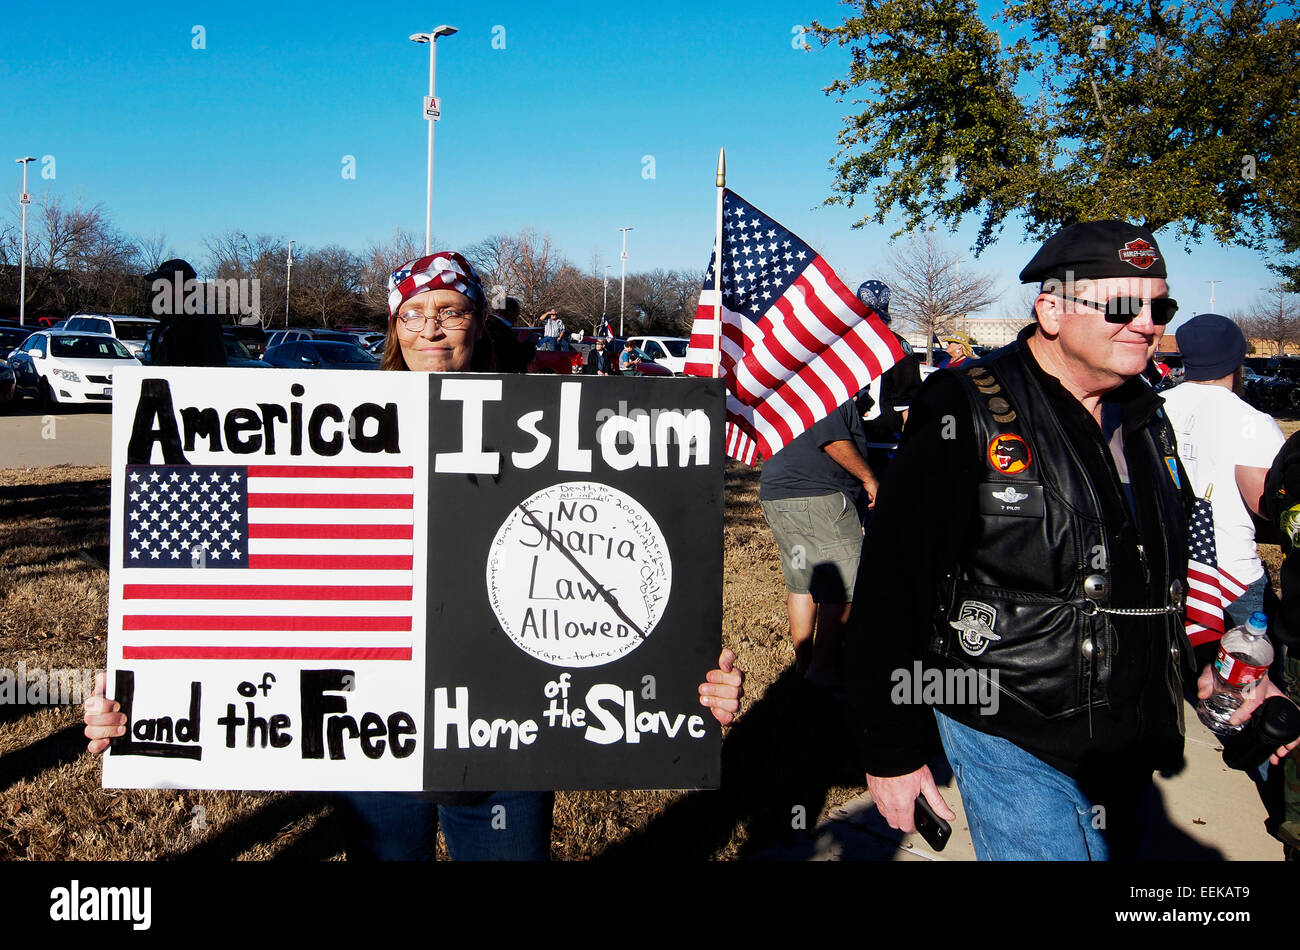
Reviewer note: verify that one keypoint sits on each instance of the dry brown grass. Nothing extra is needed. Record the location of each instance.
(53, 613)
(788, 750)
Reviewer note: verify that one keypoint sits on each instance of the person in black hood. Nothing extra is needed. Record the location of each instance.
(182, 338)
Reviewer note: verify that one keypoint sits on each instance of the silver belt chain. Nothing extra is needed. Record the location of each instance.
(1131, 611)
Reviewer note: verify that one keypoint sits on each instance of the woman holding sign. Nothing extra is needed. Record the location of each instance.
(438, 324)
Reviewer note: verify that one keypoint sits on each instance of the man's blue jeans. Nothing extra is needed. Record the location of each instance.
(401, 826)
(1021, 809)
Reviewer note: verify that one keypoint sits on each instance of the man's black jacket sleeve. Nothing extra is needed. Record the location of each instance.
(924, 510)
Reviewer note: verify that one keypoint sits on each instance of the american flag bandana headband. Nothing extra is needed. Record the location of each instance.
(445, 270)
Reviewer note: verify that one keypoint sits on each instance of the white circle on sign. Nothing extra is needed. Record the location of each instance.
(579, 574)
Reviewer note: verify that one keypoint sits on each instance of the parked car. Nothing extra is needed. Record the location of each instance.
(56, 367)
(131, 332)
(237, 354)
(296, 334)
(669, 351)
(252, 336)
(11, 334)
(320, 354)
(6, 385)
(1276, 388)
(372, 340)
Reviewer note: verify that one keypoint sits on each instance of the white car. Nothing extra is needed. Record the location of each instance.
(132, 332)
(57, 367)
(668, 351)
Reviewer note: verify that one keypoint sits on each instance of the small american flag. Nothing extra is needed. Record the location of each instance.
(796, 342)
(1209, 588)
(267, 562)
(605, 331)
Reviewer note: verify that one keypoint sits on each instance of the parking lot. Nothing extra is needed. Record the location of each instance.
(31, 438)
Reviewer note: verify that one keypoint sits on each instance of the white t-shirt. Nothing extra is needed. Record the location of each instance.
(1217, 431)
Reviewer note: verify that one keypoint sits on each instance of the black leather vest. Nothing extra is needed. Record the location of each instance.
(1031, 596)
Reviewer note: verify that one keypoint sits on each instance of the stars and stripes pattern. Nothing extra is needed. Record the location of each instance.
(1209, 588)
(605, 331)
(445, 269)
(318, 559)
(796, 342)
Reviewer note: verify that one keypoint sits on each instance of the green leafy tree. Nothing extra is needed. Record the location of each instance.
(1156, 112)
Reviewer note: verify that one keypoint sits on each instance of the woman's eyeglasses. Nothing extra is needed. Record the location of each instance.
(1124, 309)
(448, 319)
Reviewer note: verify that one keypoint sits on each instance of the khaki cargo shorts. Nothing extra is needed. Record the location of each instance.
(820, 538)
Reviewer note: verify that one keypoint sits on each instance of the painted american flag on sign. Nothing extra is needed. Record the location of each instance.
(1209, 588)
(319, 558)
(796, 342)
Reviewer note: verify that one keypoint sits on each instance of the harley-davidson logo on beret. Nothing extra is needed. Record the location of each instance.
(1141, 254)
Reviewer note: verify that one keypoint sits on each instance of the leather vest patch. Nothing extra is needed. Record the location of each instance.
(1006, 498)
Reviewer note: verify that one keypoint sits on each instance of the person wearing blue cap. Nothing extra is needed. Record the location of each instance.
(884, 404)
(1227, 447)
(1028, 555)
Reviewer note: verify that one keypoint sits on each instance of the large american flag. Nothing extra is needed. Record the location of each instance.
(1209, 588)
(796, 343)
(305, 562)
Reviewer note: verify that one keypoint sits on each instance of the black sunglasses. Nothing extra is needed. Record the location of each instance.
(1124, 309)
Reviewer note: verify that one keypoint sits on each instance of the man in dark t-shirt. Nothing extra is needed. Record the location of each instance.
(885, 402)
(813, 493)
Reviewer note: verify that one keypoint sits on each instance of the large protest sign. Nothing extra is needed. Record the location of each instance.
(348, 580)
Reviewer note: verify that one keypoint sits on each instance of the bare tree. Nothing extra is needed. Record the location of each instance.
(153, 251)
(63, 239)
(327, 284)
(1274, 320)
(233, 255)
(378, 263)
(930, 293)
(528, 267)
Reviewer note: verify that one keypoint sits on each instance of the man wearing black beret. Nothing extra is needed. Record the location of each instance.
(1042, 587)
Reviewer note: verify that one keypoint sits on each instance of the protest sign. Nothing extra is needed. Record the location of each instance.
(359, 580)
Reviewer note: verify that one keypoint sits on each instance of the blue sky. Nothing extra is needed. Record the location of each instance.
(552, 131)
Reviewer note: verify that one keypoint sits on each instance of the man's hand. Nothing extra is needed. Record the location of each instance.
(871, 486)
(895, 798)
(723, 688)
(103, 717)
(1264, 689)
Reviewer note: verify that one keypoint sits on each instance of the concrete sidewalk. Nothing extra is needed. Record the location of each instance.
(35, 439)
(1210, 813)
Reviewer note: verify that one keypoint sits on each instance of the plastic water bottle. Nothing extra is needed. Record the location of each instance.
(1245, 655)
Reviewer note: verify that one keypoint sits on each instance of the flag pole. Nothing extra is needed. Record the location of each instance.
(717, 268)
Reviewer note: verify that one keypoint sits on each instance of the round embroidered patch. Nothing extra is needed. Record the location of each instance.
(1009, 454)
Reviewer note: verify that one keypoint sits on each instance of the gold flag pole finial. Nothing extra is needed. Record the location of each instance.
(722, 168)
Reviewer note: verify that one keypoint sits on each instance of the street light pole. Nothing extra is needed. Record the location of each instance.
(432, 40)
(24, 199)
(1212, 283)
(604, 297)
(622, 281)
(288, 275)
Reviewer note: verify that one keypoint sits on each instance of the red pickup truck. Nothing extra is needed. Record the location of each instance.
(549, 361)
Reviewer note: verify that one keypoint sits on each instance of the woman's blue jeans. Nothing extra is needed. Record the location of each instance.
(401, 826)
